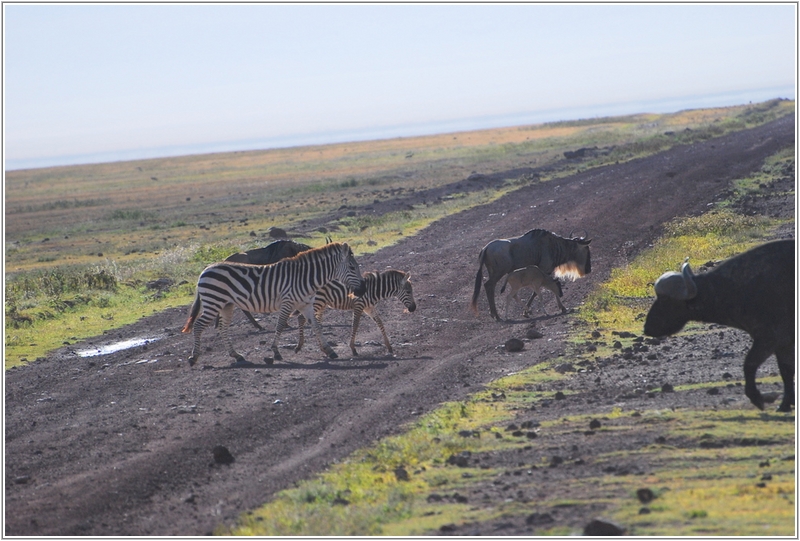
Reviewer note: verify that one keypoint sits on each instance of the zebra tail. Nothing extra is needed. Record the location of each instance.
(478, 280)
(193, 314)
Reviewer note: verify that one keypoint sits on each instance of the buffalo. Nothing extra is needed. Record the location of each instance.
(753, 291)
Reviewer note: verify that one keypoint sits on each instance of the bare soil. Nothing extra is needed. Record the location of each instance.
(122, 444)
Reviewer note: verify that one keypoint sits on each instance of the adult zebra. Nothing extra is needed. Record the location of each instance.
(285, 286)
(379, 286)
(269, 254)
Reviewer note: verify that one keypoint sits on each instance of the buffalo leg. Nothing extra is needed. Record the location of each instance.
(785, 357)
(758, 353)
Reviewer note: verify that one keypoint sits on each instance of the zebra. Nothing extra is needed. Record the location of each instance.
(269, 254)
(379, 286)
(285, 286)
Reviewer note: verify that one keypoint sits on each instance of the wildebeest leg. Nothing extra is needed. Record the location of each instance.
(512, 295)
(785, 355)
(489, 287)
(308, 312)
(253, 320)
(561, 306)
(225, 316)
(758, 353)
(527, 312)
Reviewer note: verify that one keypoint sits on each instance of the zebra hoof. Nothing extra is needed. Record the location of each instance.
(192, 360)
(268, 360)
(332, 355)
(276, 356)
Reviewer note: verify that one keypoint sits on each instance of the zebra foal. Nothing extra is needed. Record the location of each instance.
(378, 286)
(286, 286)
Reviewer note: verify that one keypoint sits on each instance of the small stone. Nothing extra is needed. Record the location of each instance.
(603, 527)
(538, 518)
(514, 344)
(222, 455)
(594, 424)
(713, 391)
(560, 396)
(401, 474)
(533, 334)
(667, 388)
(645, 495)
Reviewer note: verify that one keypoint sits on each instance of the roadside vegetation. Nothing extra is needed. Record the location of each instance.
(92, 248)
(713, 484)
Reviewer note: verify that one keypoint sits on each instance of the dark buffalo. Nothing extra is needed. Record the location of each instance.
(753, 291)
(554, 255)
(269, 254)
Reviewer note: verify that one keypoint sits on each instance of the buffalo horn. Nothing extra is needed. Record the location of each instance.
(677, 285)
(691, 287)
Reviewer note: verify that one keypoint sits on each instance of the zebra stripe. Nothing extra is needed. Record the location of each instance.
(283, 287)
(378, 285)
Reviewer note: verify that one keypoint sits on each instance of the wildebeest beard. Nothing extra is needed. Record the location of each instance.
(569, 270)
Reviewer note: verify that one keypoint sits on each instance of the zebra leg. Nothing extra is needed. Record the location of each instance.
(308, 311)
(225, 316)
(197, 330)
(253, 320)
(356, 321)
(377, 319)
(283, 320)
(301, 323)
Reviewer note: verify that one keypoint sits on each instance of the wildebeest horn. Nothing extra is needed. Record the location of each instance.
(581, 237)
(678, 285)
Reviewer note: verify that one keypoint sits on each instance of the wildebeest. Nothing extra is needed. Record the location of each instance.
(532, 277)
(269, 254)
(561, 257)
(288, 285)
(753, 291)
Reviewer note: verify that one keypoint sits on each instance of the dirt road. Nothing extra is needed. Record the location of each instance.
(121, 444)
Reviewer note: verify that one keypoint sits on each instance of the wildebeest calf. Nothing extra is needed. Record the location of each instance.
(753, 291)
(533, 277)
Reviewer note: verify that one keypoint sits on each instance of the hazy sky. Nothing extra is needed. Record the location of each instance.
(133, 80)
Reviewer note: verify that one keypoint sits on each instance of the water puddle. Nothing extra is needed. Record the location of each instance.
(116, 346)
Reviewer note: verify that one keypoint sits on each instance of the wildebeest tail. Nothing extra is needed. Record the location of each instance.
(193, 314)
(478, 280)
